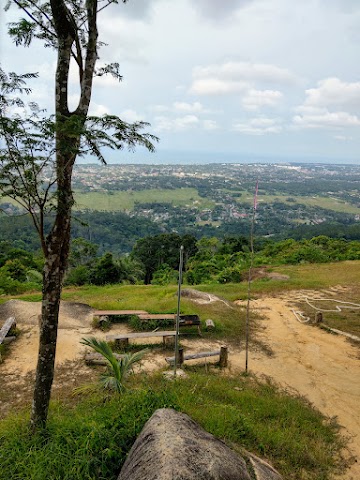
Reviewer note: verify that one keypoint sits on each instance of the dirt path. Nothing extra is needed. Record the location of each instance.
(322, 367)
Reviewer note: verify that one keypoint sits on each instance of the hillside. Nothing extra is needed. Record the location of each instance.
(302, 359)
(115, 205)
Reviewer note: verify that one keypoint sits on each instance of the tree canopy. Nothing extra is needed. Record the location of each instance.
(38, 152)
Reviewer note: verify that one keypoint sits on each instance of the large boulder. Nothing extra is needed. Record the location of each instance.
(171, 446)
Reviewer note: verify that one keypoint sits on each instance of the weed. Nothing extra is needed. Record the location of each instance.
(102, 323)
(91, 440)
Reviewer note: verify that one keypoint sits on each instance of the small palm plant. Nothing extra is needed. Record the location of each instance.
(117, 371)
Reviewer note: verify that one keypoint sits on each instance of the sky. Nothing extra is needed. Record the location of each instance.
(224, 80)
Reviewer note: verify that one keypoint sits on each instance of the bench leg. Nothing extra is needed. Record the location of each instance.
(223, 357)
(122, 344)
(168, 342)
(181, 356)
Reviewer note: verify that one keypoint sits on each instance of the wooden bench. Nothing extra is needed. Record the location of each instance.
(98, 359)
(99, 313)
(9, 323)
(122, 340)
(157, 316)
(222, 353)
(184, 320)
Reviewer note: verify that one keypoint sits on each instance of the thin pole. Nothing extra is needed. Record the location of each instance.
(178, 309)
(247, 325)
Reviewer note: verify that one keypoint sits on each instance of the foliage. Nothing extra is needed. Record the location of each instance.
(108, 270)
(117, 371)
(18, 270)
(38, 153)
(155, 251)
(164, 275)
(79, 275)
(105, 271)
(82, 252)
(149, 325)
(93, 439)
(207, 260)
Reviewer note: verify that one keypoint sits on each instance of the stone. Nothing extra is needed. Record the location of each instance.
(172, 446)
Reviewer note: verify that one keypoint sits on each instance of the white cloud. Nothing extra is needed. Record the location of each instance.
(215, 86)
(159, 108)
(182, 107)
(332, 92)
(242, 79)
(326, 119)
(215, 10)
(346, 6)
(131, 116)
(342, 138)
(333, 104)
(258, 126)
(98, 110)
(186, 122)
(106, 81)
(245, 72)
(188, 107)
(255, 99)
(210, 125)
(137, 9)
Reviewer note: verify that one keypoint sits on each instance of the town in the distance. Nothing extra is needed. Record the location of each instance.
(217, 199)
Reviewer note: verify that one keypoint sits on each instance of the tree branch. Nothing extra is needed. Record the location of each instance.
(35, 20)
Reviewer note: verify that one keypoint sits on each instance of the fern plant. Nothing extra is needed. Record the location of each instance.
(117, 371)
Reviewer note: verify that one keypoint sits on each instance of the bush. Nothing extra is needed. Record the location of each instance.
(230, 275)
(78, 276)
(164, 276)
(105, 271)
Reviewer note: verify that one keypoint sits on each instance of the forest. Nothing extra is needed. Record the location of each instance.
(155, 260)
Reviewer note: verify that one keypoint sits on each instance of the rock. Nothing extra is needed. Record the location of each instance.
(171, 446)
(262, 470)
(195, 294)
(170, 374)
(209, 324)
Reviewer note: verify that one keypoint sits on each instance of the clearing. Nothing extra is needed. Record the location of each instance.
(323, 368)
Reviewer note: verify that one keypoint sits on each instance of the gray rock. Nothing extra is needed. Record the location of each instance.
(262, 470)
(171, 446)
(194, 294)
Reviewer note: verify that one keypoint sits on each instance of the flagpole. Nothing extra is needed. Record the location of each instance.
(247, 324)
(178, 310)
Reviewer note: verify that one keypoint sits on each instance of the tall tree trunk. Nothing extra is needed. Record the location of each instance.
(67, 145)
(58, 244)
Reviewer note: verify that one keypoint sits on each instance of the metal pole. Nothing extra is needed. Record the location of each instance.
(178, 310)
(247, 325)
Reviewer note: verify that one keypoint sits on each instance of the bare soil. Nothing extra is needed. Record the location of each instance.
(306, 360)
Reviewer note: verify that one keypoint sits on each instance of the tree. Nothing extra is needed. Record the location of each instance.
(155, 251)
(82, 252)
(105, 271)
(38, 153)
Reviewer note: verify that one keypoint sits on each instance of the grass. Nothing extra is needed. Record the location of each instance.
(91, 438)
(301, 277)
(229, 322)
(88, 438)
(158, 299)
(328, 203)
(125, 200)
(346, 320)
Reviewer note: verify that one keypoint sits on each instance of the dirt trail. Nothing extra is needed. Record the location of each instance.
(322, 367)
